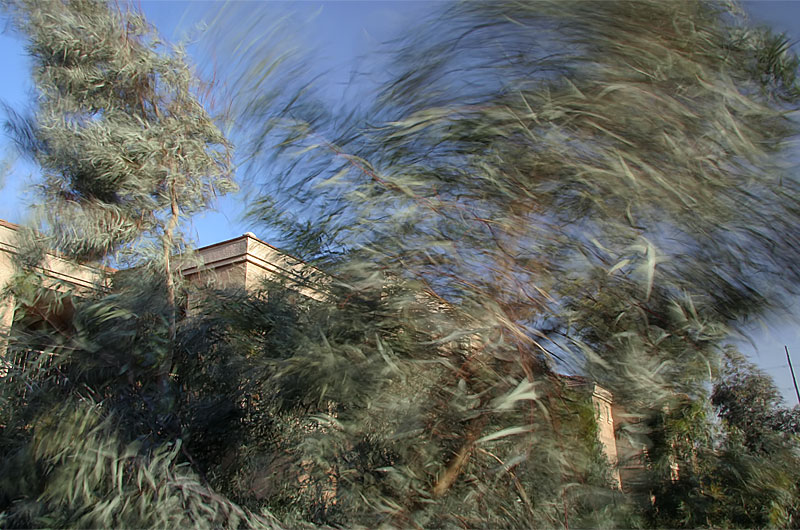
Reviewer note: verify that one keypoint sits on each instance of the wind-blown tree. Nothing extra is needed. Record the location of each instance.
(761, 442)
(91, 426)
(599, 188)
(126, 148)
(750, 404)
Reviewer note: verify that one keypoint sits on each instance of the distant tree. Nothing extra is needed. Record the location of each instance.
(751, 404)
(760, 456)
(729, 461)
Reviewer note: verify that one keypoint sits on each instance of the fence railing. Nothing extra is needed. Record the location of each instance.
(29, 367)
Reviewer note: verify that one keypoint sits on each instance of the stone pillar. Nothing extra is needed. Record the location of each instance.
(602, 402)
(7, 304)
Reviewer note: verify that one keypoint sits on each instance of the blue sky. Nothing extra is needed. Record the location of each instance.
(339, 33)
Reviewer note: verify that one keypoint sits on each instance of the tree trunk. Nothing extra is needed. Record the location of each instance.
(168, 240)
(458, 461)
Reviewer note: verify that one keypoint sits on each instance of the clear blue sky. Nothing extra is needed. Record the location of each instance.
(341, 32)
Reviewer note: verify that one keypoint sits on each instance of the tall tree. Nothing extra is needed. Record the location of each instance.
(90, 430)
(735, 455)
(126, 148)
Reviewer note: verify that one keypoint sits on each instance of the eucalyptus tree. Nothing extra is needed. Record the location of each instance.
(126, 148)
(601, 188)
(126, 151)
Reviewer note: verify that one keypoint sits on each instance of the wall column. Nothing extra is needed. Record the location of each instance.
(602, 404)
(7, 304)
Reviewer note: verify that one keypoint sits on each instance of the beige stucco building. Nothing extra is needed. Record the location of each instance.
(61, 275)
(245, 262)
(603, 404)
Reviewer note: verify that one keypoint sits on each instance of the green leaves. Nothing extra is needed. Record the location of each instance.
(118, 126)
(593, 188)
(90, 478)
(544, 195)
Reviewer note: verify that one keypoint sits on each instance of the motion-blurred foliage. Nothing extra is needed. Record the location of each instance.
(543, 195)
(593, 188)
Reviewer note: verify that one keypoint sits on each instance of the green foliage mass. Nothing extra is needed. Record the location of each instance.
(119, 131)
(600, 188)
(77, 473)
(125, 146)
(547, 195)
(126, 150)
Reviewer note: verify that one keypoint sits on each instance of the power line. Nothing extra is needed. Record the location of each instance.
(794, 379)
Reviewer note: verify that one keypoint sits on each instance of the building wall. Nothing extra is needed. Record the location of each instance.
(59, 273)
(602, 402)
(7, 269)
(246, 262)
